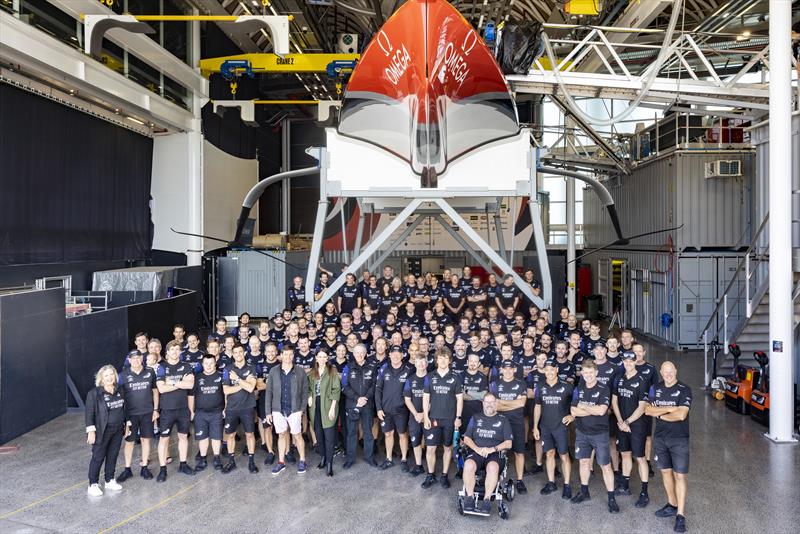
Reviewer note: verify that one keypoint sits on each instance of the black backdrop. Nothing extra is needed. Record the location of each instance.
(72, 187)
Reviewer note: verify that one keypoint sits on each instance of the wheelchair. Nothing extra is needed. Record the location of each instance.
(503, 494)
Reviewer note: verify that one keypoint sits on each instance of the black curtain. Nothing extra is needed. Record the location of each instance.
(72, 187)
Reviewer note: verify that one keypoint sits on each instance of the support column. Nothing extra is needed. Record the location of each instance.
(569, 126)
(781, 316)
(286, 162)
(194, 252)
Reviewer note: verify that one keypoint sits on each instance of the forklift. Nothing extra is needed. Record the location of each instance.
(739, 387)
(759, 399)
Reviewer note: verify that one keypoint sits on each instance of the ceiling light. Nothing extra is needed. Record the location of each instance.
(255, 3)
(745, 34)
(137, 121)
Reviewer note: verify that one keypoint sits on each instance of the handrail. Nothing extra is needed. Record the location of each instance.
(736, 274)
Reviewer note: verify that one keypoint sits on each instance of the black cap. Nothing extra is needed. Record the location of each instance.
(405, 323)
(395, 348)
(600, 343)
(415, 328)
(551, 363)
(628, 355)
(508, 364)
(135, 353)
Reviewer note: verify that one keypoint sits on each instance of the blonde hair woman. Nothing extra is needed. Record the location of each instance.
(106, 416)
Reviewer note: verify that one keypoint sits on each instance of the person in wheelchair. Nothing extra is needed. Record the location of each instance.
(487, 434)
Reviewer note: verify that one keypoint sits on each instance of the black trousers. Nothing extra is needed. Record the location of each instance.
(105, 451)
(365, 419)
(326, 437)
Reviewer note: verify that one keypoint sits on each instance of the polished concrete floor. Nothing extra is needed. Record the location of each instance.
(739, 482)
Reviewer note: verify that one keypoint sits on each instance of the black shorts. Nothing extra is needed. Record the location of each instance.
(169, 418)
(481, 462)
(555, 438)
(672, 453)
(207, 425)
(394, 421)
(440, 433)
(586, 443)
(261, 407)
(141, 426)
(517, 434)
(234, 417)
(529, 405)
(414, 431)
(632, 441)
(612, 424)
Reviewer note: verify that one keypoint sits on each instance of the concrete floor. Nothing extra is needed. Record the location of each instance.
(739, 482)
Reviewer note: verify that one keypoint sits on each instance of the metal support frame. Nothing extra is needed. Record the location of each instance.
(359, 229)
(464, 244)
(396, 243)
(498, 228)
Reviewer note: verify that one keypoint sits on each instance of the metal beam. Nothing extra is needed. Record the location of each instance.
(273, 63)
(463, 242)
(396, 243)
(316, 249)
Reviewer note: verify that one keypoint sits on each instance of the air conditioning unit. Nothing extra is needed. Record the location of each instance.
(723, 168)
(347, 43)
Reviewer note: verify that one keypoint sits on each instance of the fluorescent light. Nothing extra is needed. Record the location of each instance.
(137, 121)
(255, 3)
(745, 34)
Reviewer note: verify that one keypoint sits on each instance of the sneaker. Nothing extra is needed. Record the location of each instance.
(622, 490)
(429, 481)
(613, 507)
(301, 467)
(469, 503)
(113, 485)
(217, 463)
(404, 466)
(347, 465)
(536, 469)
(580, 497)
(125, 475)
(145, 473)
(486, 507)
(230, 466)
(548, 488)
(445, 482)
(416, 471)
(643, 501)
(251, 466)
(278, 468)
(94, 491)
(162, 475)
(290, 459)
(680, 524)
(667, 511)
(386, 465)
(202, 463)
(270, 459)
(521, 488)
(186, 470)
(566, 493)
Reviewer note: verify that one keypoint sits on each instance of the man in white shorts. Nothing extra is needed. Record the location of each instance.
(285, 399)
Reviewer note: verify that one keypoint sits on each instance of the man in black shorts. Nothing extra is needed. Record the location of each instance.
(590, 402)
(475, 387)
(551, 416)
(391, 407)
(239, 384)
(487, 434)
(174, 380)
(511, 396)
(628, 402)
(649, 372)
(206, 403)
(670, 401)
(413, 391)
(442, 405)
(138, 384)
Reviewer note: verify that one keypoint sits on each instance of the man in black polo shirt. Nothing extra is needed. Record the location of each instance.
(649, 372)
(391, 407)
(138, 384)
(413, 391)
(349, 295)
(487, 434)
(454, 298)
(511, 396)
(239, 384)
(442, 405)
(629, 401)
(296, 295)
(174, 380)
(590, 402)
(507, 294)
(551, 417)
(475, 387)
(670, 401)
(207, 402)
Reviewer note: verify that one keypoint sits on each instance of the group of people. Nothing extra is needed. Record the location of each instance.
(470, 370)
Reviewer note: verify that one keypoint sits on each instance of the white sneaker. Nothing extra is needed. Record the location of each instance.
(113, 485)
(95, 491)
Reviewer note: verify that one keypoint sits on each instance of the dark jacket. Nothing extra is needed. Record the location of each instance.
(330, 390)
(389, 388)
(272, 395)
(97, 411)
(358, 381)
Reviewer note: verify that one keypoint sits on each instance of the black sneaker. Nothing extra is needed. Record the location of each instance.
(347, 465)
(521, 488)
(548, 488)
(486, 507)
(644, 500)
(162, 475)
(536, 469)
(429, 481)
(185, 469)
(622, 490)
(613, 507)
(270, 459)
(404, 466)
(444, 481)
(580, 497)
(469, 503)
(230, 466)
(566, 493)
(290, 459)
(145, 473)
(386, 465)
(416, 471)
(680, 524)
(667, 511)
(251, 465)
(217, 463)
(125, 475)
(202, 463)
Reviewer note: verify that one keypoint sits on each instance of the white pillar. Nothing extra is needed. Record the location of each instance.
(781, 315)
(194, 252)
(569, 125)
